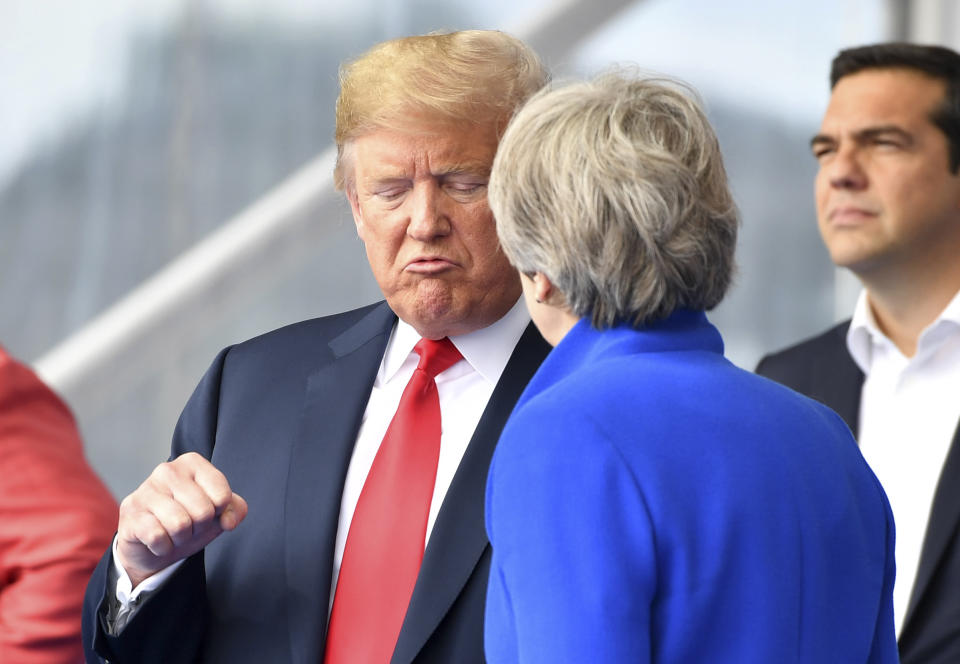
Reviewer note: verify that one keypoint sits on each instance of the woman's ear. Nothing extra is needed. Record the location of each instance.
(550, 313)
(542, 287)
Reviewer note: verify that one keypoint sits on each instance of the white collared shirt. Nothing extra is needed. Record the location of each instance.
(464, 390)
(909, 409)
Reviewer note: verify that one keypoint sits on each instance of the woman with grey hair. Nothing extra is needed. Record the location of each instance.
(648, 500)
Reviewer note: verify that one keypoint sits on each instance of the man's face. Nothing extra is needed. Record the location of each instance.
(886, 199)
(419, 200)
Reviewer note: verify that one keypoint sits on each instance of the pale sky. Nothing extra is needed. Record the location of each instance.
(60, 58)
(772, 56)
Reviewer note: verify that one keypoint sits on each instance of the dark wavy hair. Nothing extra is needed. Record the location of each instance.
(935, 61)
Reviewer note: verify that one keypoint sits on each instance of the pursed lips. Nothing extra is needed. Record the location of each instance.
(429, 265)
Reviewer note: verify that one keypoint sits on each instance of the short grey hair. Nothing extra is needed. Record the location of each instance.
(615, 190)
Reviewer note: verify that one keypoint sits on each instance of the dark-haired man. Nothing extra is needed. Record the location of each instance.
(888, 206)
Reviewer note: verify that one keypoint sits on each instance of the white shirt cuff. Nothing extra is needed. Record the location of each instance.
(127, 596)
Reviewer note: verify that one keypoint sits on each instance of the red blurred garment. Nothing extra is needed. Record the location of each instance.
(56, 519)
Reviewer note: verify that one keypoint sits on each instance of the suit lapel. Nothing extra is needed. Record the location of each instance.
(335, 399)
(941, 528)
(838, 382)
(459, 539)
(842, 381)
(843, 395)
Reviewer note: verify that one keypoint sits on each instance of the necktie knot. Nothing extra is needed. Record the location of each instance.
(436, 356)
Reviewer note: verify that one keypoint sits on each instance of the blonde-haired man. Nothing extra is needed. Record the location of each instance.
(359, 441)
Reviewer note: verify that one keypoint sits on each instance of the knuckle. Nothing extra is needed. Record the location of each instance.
(205, 513)
(164, 473)
(126, 531)
(192, 460)
(221, 497)
(135, 503)
(153, 536)
(150, 537)
(179, 525)
(212, 474)
(128, 505)
(159, 546)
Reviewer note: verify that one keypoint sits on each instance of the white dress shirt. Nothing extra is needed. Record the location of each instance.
(463, 389)
(909, 409)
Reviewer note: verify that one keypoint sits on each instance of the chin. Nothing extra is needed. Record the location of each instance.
(849, 251)
(434, 314)
(435, 300)
(857, 262)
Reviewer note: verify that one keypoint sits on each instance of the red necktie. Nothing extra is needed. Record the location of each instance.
(385, 543)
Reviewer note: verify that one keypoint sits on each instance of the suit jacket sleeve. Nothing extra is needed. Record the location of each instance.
(55, 518)
(170, 625)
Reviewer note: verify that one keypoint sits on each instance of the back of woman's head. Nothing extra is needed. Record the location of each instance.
(615, 189)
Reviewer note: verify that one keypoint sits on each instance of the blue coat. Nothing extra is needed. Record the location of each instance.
(650, 502)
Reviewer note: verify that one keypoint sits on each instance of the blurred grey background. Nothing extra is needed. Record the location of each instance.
(165, 171)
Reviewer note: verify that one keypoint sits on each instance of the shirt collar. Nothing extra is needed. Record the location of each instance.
(945, 326)
(864, 333)
(487, 350)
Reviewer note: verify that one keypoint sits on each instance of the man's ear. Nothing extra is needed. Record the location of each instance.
(355, 209)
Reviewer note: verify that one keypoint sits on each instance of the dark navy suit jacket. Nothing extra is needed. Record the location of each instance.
(822, 368)
(279, 415)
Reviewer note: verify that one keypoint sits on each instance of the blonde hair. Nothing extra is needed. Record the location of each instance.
(472, 76)
(615, 190)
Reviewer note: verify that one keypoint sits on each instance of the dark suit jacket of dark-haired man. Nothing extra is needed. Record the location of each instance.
(262, 592)
(823, 369)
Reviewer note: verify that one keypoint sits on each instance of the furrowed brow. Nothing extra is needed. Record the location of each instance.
(821, 140)
(477, 168)
(889, 131)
